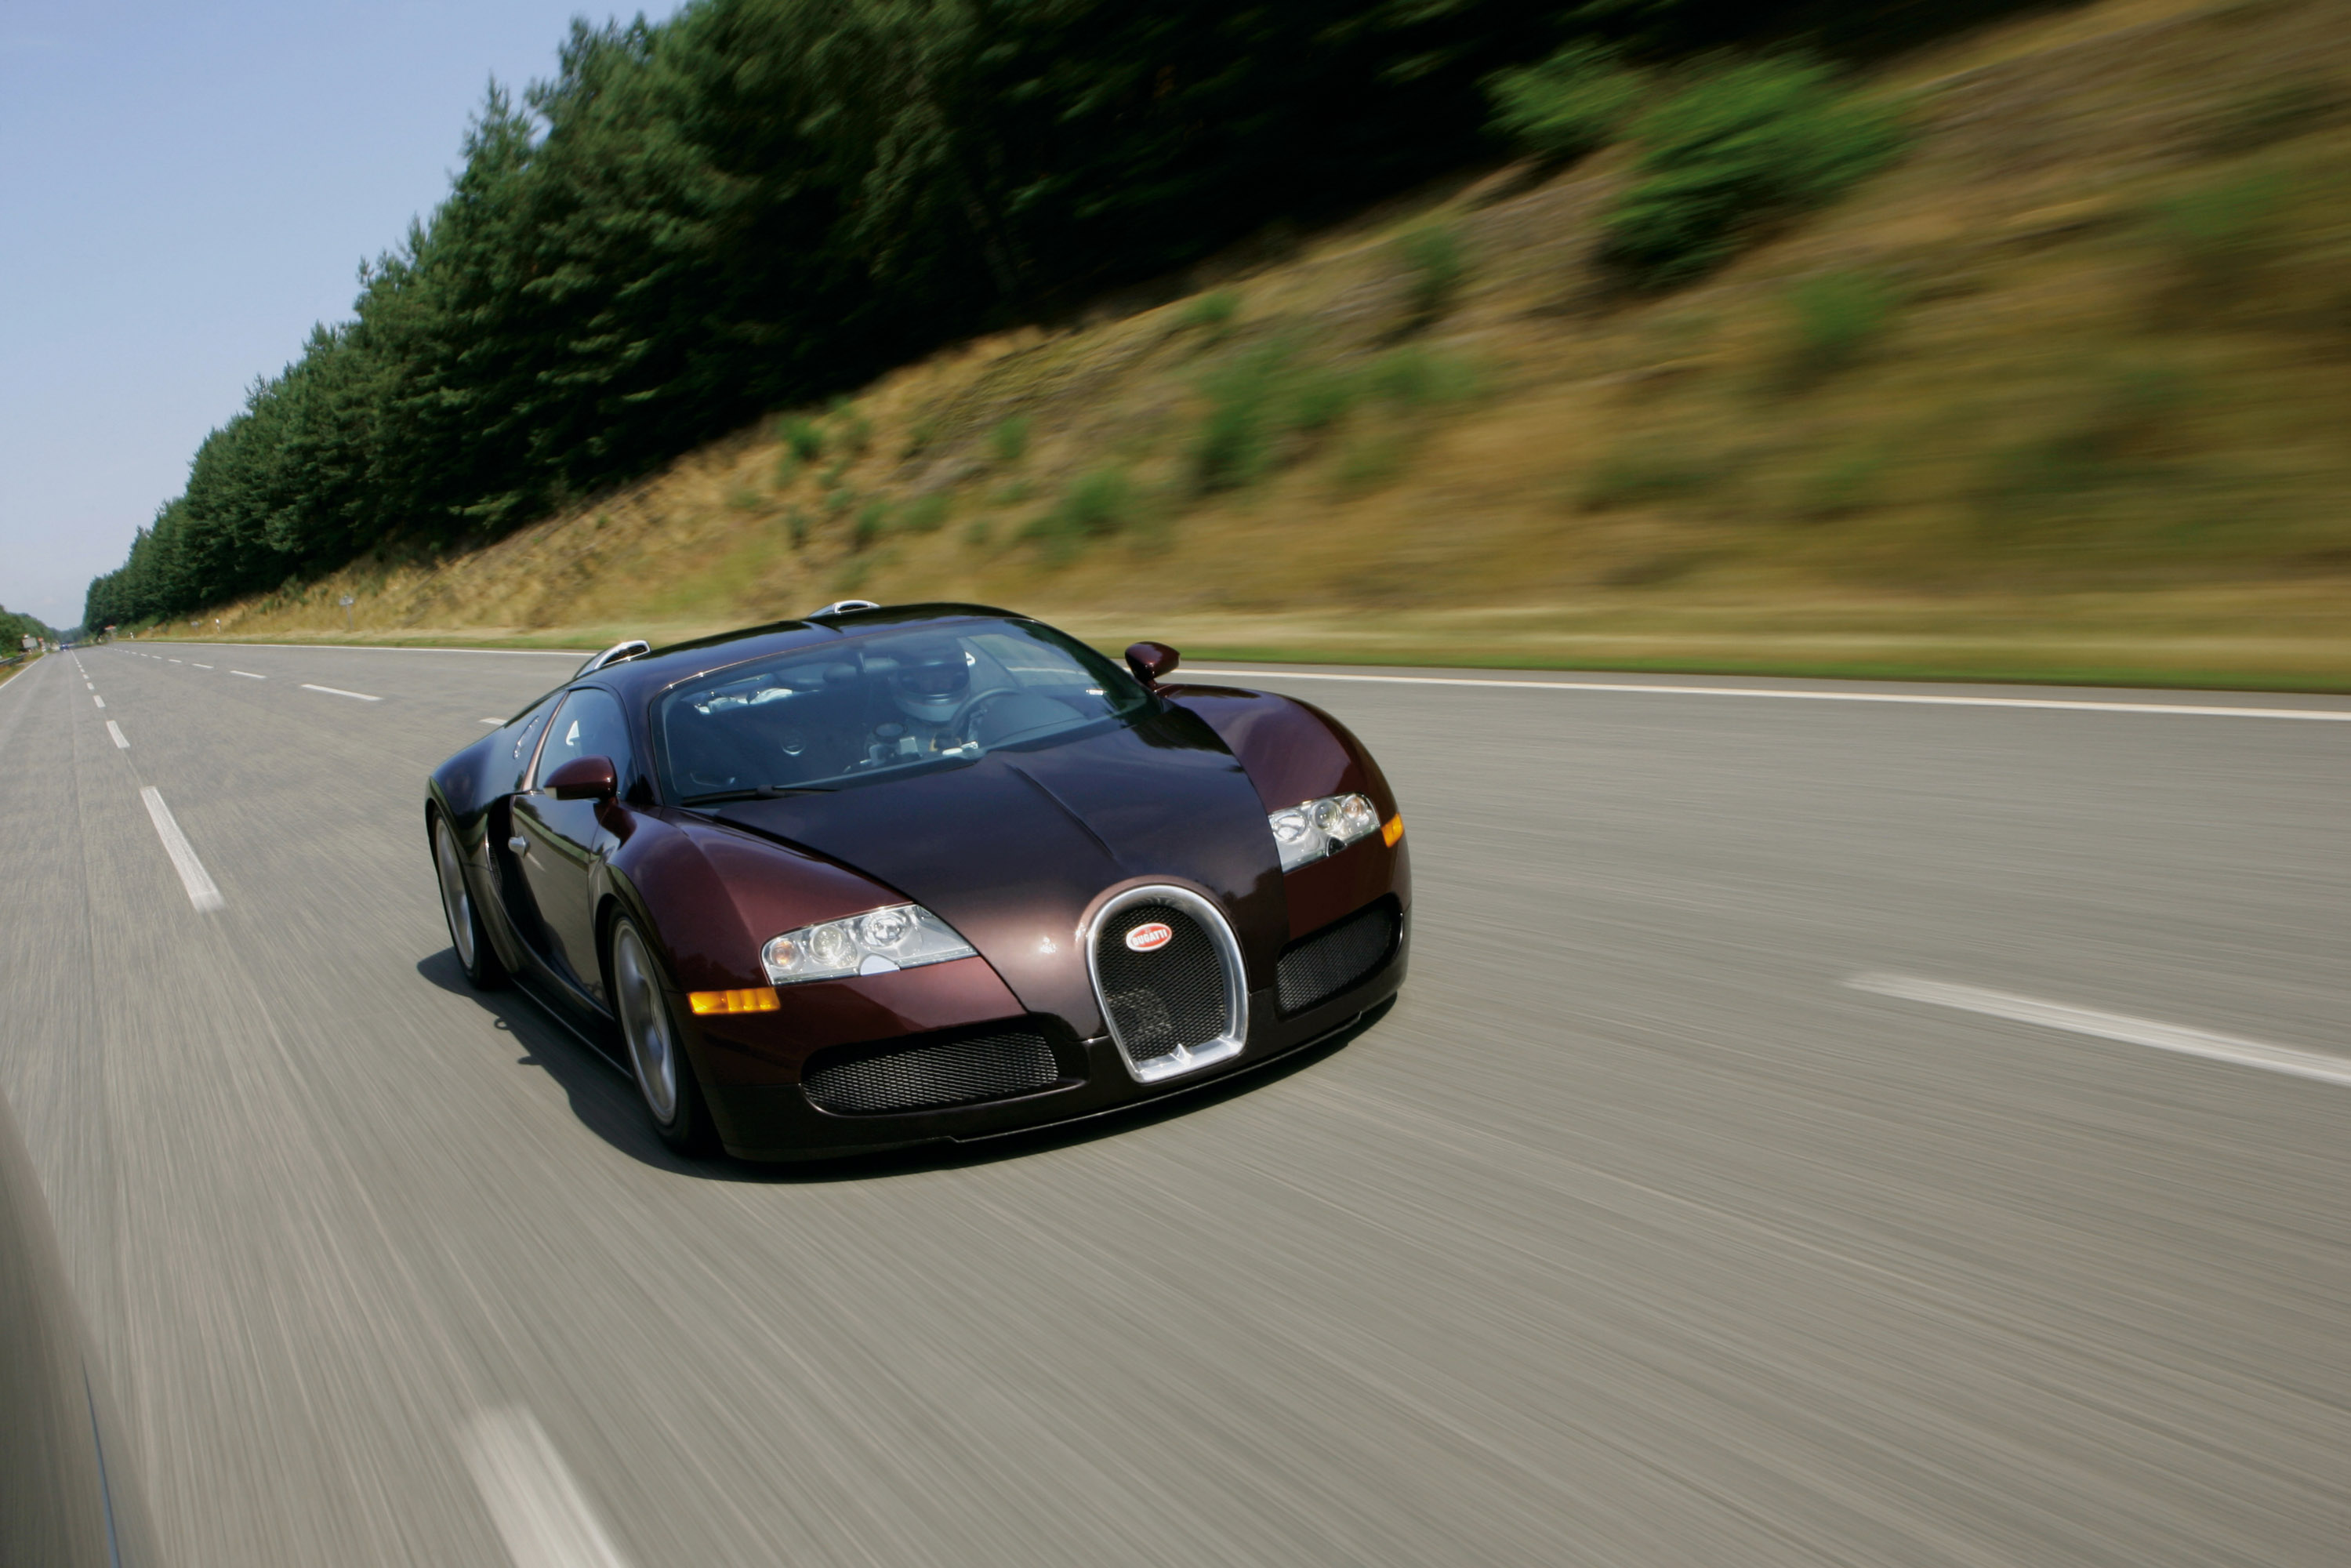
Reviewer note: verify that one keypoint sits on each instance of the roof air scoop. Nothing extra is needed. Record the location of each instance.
(613, 655)
(843, 606)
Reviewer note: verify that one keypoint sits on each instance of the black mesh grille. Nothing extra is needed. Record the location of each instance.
(1172, 994)
(1335, 958)
(923, 1077)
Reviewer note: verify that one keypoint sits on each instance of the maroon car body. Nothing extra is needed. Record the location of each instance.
(1059, 860)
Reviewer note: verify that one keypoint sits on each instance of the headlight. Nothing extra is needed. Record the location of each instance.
(903, 936)
(1305, 833)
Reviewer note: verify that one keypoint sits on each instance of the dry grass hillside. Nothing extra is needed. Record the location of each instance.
(2063, 394)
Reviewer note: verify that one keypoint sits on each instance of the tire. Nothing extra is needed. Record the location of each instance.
(467, 934)
(658, 1062)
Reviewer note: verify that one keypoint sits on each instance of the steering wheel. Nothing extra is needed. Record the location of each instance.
(963, 708)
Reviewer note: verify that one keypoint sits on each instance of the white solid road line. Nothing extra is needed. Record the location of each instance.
(1925, 699)
(114, 729)
(382, 648)
(2320, 1065)
(193, 876)
(541, 1514)
(339, 691)
(249, 675)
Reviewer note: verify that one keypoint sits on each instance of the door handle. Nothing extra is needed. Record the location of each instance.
(518, 844)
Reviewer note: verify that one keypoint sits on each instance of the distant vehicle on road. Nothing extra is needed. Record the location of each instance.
(888, 876)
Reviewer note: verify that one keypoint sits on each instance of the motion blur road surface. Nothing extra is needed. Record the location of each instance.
(1637, 1233)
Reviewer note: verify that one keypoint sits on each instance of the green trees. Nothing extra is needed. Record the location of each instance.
(757, 202)
(14, 628)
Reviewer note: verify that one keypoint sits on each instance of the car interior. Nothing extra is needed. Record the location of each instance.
(873, 706)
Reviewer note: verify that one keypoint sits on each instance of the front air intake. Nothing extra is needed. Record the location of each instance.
(931, 1077)
(1168, 974)
(1340, 955)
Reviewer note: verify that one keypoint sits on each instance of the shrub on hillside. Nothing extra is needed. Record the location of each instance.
(926, 514)
(1211, 313)
(1434, 267)
(1646, 475)
(1009, 440)
(2113, 454)
(1845, 484)
(1234, 445)
(2219, 236)
(1267, 407)
(1746, 142)
(1833, 317)
(800, 436)
(1416, 378)
(1096, 506)
(851, 430)
(1576, 102)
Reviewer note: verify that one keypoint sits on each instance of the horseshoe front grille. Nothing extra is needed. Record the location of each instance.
(1177, 1004)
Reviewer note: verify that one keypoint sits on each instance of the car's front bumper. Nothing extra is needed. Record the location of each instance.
(778, 1121)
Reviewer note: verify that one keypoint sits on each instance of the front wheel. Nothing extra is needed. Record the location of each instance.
(474, 953)
(657, 1059)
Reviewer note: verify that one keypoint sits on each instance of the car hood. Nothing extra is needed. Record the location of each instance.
(1014, 848)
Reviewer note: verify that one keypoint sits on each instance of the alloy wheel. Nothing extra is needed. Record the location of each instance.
(456, 902)
(644, 1019)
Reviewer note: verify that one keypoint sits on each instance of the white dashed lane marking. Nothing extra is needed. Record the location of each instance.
(2316, 1065)
(249, 675)
(115, 730)
(201, 892)
(99, 700)
(339, 691)
(543, 1514)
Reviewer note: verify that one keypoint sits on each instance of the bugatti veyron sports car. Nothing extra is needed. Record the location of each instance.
(886, 877)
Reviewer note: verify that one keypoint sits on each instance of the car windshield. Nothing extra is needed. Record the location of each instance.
(880, 704)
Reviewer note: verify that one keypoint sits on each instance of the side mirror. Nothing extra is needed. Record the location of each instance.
(583, 779)
(1151, 661)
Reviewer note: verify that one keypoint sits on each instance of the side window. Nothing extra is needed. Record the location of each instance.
(589, 724)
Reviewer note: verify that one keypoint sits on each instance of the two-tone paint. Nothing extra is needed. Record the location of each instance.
(1019, 851)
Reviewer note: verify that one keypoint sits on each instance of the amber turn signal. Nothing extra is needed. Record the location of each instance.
(759, 999)
(1392, 829)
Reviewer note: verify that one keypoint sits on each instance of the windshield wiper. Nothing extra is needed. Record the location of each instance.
(762, 792)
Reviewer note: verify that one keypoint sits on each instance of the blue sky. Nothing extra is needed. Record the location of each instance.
(184, 188)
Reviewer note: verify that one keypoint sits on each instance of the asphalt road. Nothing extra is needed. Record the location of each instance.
(1635, 1234)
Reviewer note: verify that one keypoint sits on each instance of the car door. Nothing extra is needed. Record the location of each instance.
(561, 842)
(519, 754)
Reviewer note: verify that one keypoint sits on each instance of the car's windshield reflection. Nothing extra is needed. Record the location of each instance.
(880, 706)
